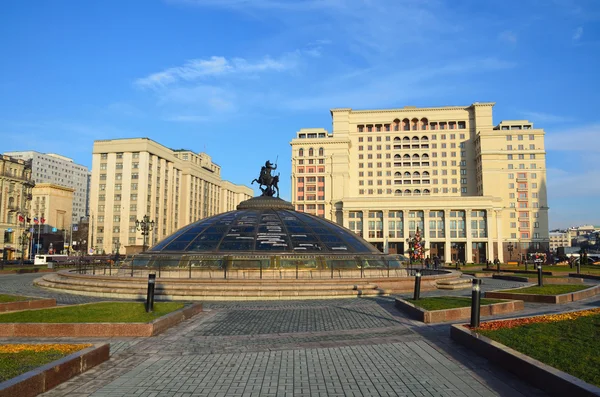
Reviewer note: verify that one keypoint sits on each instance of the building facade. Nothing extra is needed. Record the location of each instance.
(470, 187)
(54, 205)
(559, 239)
(136, 177)
(60, 170)
(15, 206)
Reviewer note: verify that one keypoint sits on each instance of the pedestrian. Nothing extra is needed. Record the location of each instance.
(436, 262)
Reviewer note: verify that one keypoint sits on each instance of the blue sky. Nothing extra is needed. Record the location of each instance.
(238, 78)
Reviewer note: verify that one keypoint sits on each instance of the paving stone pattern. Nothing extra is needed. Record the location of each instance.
(341, 347)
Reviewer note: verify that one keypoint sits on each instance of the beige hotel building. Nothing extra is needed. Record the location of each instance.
(471, 187)
(136, 177)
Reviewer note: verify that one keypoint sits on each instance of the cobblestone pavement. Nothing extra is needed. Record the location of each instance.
(343, 347)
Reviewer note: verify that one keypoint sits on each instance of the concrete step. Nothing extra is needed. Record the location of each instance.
(452, 284)
(206, 291)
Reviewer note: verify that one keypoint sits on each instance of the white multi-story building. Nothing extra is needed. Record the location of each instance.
(135, 177)
(60, 170)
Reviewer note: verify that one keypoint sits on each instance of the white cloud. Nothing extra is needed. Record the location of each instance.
(581, 183)
(579, 139)
(545, 117)
(578, 33)
(195, 69)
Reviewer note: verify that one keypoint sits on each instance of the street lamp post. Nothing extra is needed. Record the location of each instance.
(145, 226)
(23, 239)
(510, 249)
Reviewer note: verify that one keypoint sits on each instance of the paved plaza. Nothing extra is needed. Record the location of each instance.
(325, 348)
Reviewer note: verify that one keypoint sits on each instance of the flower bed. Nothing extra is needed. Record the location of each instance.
(557, 353)
(29, 370)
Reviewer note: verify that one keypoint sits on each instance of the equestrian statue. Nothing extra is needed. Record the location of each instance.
(267, 180)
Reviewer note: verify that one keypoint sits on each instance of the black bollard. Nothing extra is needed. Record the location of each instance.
(417, 286)
(540, 278)
(475, 302)
(150, 295)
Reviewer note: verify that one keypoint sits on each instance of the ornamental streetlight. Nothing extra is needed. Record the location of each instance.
(510, 249)
(23, 239)
(145, 226)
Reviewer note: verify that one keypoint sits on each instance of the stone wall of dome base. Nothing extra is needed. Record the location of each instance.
(263, 202)
(177, 289)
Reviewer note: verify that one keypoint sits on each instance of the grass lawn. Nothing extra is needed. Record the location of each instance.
(571, 346)
(552, 289)
(18, 359)
(13, 298)
(106, 312)
(448, 302)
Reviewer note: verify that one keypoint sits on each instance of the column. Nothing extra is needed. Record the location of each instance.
(366, 225)
(499, 236)
(346, 219)
(386, 231)
(447, 243)
(469, 244)
(405, 230)
(426, 232)
(490, 243)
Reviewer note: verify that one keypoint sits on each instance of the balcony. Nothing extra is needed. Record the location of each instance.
(521, 179)
(522, 189)
(523, 219)
(15, 176)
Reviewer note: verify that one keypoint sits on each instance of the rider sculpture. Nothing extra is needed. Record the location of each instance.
(267, 180)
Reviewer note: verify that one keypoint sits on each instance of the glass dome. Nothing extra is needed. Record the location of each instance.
(270, 230)
(266, 238)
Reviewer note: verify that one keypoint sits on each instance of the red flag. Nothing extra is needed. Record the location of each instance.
(21, 219)
(43, 220)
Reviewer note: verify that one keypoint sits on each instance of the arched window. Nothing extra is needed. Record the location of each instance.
(415, 124)
(311, 152)
(406, 125)
(424, 123)
(425, 156)
(321, 151)
(397, 174)
(396, 125)
(396, 138)
(425, 173)
(398, 192)
(397, 156)
(407, 192)
(424, 138)
(406, 139)
(415, 156)
(407, 156)
(301, 152)
(416, 191)
(415, 139)
(426, 191)
(416, 174)
(407, 174)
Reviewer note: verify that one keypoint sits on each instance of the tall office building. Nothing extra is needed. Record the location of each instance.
(475, 190)
(15, 207)
(60, 170)
(135, 177)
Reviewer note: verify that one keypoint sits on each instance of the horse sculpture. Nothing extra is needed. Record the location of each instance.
(267, 180)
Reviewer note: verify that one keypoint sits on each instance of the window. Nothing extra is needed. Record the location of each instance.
(520, 137)
(509, 137)
(104, 156)
(508, 147)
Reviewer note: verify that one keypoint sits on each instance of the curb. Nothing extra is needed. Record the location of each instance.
(107, 330)
(25, 305)
(545, 377)
(52, 374)
(460, 313)
(556, 299)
